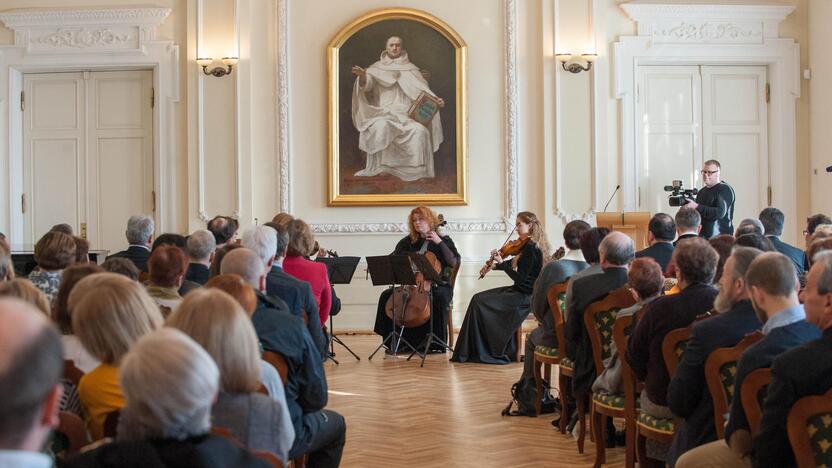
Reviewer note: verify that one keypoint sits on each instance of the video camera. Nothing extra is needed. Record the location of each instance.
(678, 196)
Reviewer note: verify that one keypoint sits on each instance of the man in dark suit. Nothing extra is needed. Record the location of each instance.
(319, 432)
(140, 237)
(799, 372)
(773, 220)
(688, 396)
(660, 235)
(688, 224)
(616, 251)
(201, 246)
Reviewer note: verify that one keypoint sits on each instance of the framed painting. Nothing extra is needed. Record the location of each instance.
(397, 111)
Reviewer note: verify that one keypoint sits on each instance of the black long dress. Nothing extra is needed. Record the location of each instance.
(442, 295)
(487, 333)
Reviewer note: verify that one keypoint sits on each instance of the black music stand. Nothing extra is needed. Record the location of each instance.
(392, 270)
(422, 264)
(340, 271)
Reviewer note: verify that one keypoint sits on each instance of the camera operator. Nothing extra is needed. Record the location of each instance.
(714, 202)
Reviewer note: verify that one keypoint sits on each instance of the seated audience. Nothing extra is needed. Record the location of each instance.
(723, 244)
(270, 245)
(109, 313)
(301, 243)
(799, 372)
(166, 267)
(217, 322)
(31, 365)
(756, 241)
(812, 222)
(170, 239)
(660, 234)
(201, 246)
(73, 349)
(645, 281)
(224, 229)
(318, 432)
(219, 254)
(817, 246)
(122, 266)
(750, 226)
(773, 221)
(688, 224)
(616, 252)
(64, 228)
(6, 264)
(169, 428)
(82, 250)
(140, 237)
(688, 396)
(590, 242)
(24, 290)
(53, 252)
(282, 220)
(772, 285)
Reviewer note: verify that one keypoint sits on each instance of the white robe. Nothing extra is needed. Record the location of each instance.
(394, 143)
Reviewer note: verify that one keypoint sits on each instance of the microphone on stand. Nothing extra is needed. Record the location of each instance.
(610, 200)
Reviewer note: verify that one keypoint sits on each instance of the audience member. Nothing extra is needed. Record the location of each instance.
(224, 229)
(750, 226)
(73, 349)
(645, 281)
(6, 264)
(170, 239)
(201, 248)
(169, 428)
(660, 234)
(756, 241)
(616, 252)
(815, 247)
(109, 313)
(301, 243)
(167, 265)
(31, 364)
(688, 396)
(121, 266)
(773, 220)
(723, 244)
(82, 250)
(24, 290)
(140, 237)
(590, 243)
(319, 432)
(282, 220)
(688, 224)
(812, 222)
(216, 264)
(64, 228)
(217, 322)
(53, 252)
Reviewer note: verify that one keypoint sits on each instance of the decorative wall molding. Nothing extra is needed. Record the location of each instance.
(82, 38)
(723, 32)
(503, 224)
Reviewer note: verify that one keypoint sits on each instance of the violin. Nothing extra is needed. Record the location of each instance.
(508, 249)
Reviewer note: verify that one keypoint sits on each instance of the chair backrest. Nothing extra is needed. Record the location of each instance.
(621, 335)
(111, 423)
(673, 346)
(557, 302)
(720, 373)
(454, 273)
(599, 319)
(279, 362)
(72, 373)
(810, 430)
(72, 428)
(753, 395)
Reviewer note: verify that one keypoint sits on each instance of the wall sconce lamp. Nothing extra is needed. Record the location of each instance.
(229, 63)
(575, 63)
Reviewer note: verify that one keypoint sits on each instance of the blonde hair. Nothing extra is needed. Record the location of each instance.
(217, 322)
(24, 289)
(109, 313)
(301, 239)
(537, 234)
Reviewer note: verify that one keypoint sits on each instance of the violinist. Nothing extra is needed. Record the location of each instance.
(493, 316)
(422, 224)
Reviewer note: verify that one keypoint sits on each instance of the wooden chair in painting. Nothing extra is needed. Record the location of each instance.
(545, 356)
(599, 319)
(720, 374)
(450, 313)
(810, 430)
(753, 396)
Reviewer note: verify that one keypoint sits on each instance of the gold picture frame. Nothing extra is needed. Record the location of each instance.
(440, 180)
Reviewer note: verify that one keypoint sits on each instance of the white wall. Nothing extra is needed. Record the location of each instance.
(820, 105)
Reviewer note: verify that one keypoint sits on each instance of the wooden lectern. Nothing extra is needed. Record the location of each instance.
(634, 224)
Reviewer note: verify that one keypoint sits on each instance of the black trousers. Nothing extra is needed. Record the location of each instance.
(324, 438)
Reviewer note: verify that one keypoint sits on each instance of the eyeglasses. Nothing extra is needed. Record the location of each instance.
(709, 172)
(806, 232)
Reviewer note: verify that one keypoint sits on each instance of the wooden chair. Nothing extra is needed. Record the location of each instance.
(546, 356)
(111, 424)
(810, 430)
(753, 395)
(279, 362)
(720, 372)
(450, 316)
(621, 337)
(72, 434)
(599, 319)
(72, 373)
(518, 339)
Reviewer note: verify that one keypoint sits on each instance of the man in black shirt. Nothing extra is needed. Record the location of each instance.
(714, 202)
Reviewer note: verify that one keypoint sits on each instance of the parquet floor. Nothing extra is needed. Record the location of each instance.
(443, 415)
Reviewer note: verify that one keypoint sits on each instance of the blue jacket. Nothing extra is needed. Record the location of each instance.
(298, 296)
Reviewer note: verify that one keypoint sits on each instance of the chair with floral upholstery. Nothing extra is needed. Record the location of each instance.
(546, 356)
(810, 430)
(720, 373)
(753, 396)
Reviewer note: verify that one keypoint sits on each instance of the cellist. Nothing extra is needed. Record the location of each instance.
(422, 237)
(487, 333)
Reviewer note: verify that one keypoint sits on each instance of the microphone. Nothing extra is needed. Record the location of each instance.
(610, 200)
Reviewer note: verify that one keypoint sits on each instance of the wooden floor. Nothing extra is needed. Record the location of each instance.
(443, 415)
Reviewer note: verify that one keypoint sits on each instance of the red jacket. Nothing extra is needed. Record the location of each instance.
(315, 274)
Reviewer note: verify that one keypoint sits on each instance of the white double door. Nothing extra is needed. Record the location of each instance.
(690, 114)
(87, 154)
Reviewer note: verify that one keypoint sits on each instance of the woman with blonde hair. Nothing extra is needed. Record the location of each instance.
(493, 316)
(301, 245)
(53, 252)
(109, 313)
(217, 322)
(24, 289)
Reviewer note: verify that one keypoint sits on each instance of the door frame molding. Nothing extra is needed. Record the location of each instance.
(88, 39)
(680, 34)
